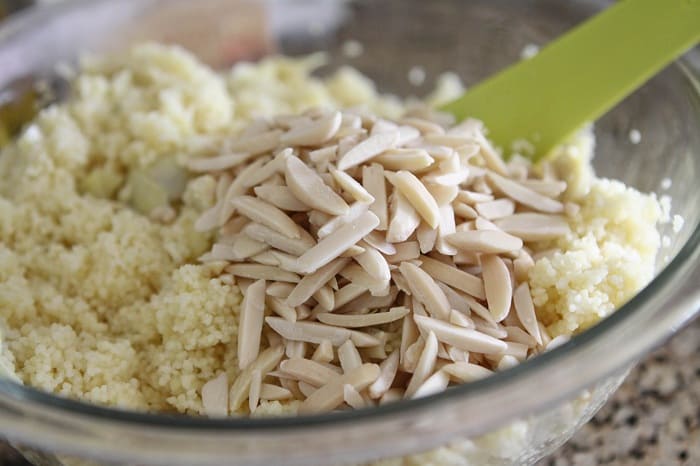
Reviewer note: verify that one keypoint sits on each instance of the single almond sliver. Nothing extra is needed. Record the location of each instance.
(309, 188)
(417, 195)
(363, 320)
(251, 323)
(497, 285)
(333, 246)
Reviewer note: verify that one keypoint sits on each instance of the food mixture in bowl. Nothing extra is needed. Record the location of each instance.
(265, 242)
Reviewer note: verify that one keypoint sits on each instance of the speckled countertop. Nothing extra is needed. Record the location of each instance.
(653, 419)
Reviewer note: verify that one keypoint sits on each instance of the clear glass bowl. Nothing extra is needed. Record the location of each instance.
(514, 417)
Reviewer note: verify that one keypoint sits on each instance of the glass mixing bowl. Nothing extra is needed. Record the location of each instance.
(514, 417)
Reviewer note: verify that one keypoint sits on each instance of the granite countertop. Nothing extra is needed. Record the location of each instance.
(653, 419)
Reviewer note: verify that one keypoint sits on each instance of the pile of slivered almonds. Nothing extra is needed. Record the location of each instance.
(378, 260)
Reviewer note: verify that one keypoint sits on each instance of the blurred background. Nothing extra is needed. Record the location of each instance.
(654, 419)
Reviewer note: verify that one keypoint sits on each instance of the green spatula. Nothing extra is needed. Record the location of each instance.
(583, 74)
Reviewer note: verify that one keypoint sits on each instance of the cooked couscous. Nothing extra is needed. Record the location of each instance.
(104, 292)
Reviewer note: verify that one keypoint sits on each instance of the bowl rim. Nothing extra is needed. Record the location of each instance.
(670, 300)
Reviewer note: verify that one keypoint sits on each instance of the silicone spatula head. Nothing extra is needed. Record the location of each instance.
(581, 75)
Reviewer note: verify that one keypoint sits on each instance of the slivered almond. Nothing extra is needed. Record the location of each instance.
(534, 227)
(330, 396)
(281, 197)
(262, 272)
(352, 397)
(485, 241)
(438, 152)
(443, 194)
(282, 309)
(525, 310)
(506, 362)
(447, 179)
(454, 277)
(525, 196)
(387, 373)
(377, 241)
(313, 332)
(404, 219)
(424, 288)
(283, 260)
(221, 162)
(425, 365)
(265, 362)
(457, 355)
(325, 297)
(497, 331)
(363, 320)
(461, 320)
(266, 214)
(545, 187)
(369, 148)
(366, 301)
(353, 251)
(274, 166)
(517, 350)
(245, 247)
(473, 197)
(374, 264)
(409, 335)
(383, 126)
(424, 126)
(373, 181)
(407, 135)
(490, 156)
(522, 266)
(392, 395)
(462, 338)
(257, 143)
(417, 195)
(447, 227)
(271, 392)
(332, 246)
(209, 219)
(323, 352)
(306, 370)
(311, 283)
(412, 160)
(482, 224)
(224, 252)
(427, 237)
(457, 300)
(518, 335)
(358, 276)
(496, 209)
(309, 188)
(254, 391)
(277, 240)
(400, 282)
(436, 383)
(497, 284)
(315, 133)
(266, 258)
(238, 188)
(404, 252)
(348, 293)
(349, 357)
(463, 210)
(349, 184)
(464, 372)
(332, 225)
(215, 396)
(306, 389)
(324, 155)
(251, 323)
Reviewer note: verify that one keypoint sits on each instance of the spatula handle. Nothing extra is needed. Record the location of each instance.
(583, 74)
